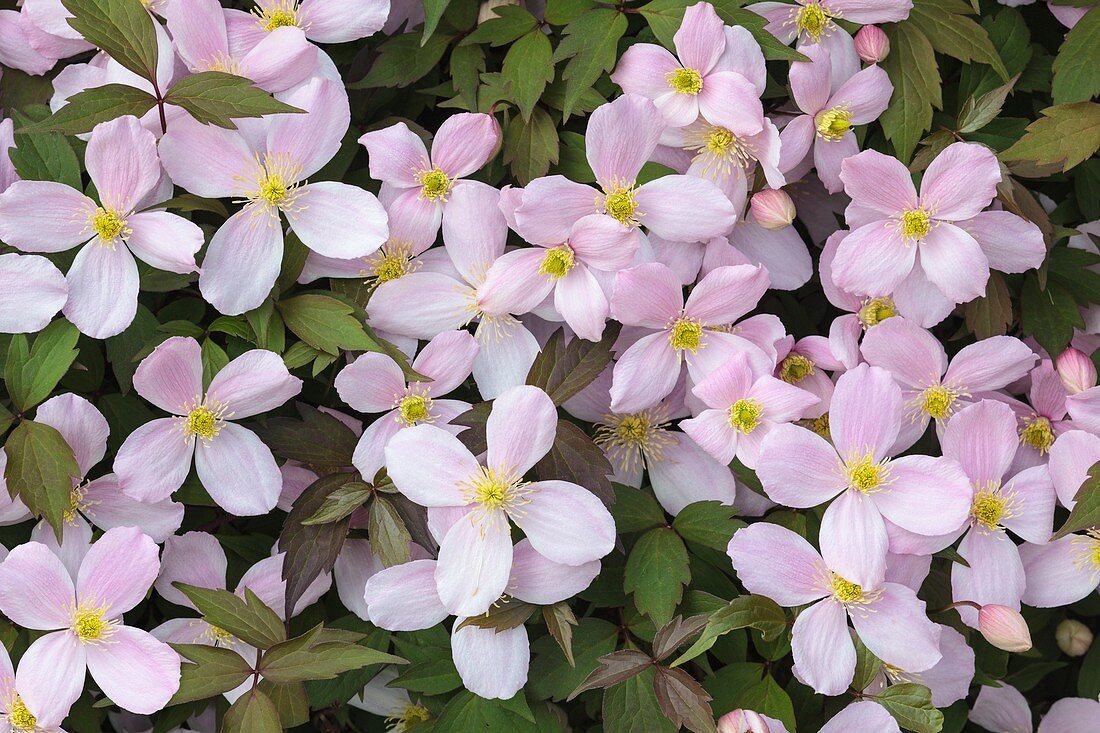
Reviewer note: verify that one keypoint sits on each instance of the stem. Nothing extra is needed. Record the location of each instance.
(959, 604)
(160, 105)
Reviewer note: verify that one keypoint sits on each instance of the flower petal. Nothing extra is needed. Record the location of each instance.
(154, 460)
(520, 430)
(775, 562)
(36, 591)
(136, 671)
(434, 483)
(338, 220)
(824, 655)
(566, 523)
(118, 570)
(238, 471)
(256, 381)
(475, 558)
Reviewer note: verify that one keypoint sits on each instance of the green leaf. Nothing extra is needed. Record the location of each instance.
(656, 572)
(318, 439)
(402, 60)
(188, 202)
(591, 45)
(122, 28)
(1076, 78)
(528, 68)
(433, 11)
(911, 705)
(511, 23)
(50, 357)
(563, 12)
(215, 670)
(530, 147)
(708, 523)
(292, 662)
(252, 713)
(757, 612)
(977, 113)
(214, 360)
(952, 33)
(311, 550)
(551, 674)
(867, 666)
(467, 63)
(290, 701)
(991, 314)
(248, 618)
(1086, 512)
(631, 707)
(1049, 315)
(326, 324)
(84, 110)
(767, 697)
(468, 713)
(562, 371)
(1064, 136)
(635, 510)
(44, 156)
(502, 616)
(912, 68)
(389, 537)
(217, 98)
(41, 470)
(341, 503)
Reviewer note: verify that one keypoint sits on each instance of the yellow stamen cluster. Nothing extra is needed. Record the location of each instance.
(686, 335)
(108, 224)
(274, 184)
(865, 475)
(89, 623)
(391, 267)
(495, 490)
(1087, 552)
(795, 368)
(412, 715)
(557, 262)
(435, 184)
(846, 591)
(719, 150)
(283, 14)
(938, 401)
(218, 636)
(876, 310)
(820, 425)
(744, 415)
(832, 124)
(915, 224)
(813, 20)
(619, 203)
(414, 408)
(76, 503)
(203, 423)
(685, 81)
(631, 440)
(990, 507)
(1038, 433)
(20, 717)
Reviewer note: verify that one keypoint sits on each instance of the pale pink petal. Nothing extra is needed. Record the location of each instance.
(265, 579)
(949, 680)
(35, 291)
(873, 259)
(447, 359)
(1055, 575)
(154, 460)
(551, 206)
(920, 301)
(284, 58)
(122, 161)
(51, 673)
(700, 39)
(795, 141)
(333, 21)
(872, 11)
(520, 430)
(730, 100)
(566, 523)
(515, 283)
(242, 262)
(896, 628)
(711, 430)
(782, 402)
(1033, 510)
(865, 95)
(81, 425)
(645, 374)
(1071, 457)
(395, 155)
(171, 376)
(195, 558)
(775, 562)
(475, 558)
(853, 540)
(43, 604)
(742, 54)
(995, 575)
(864, 716)
(685, 208)
(103, 290)
(464, 143)
(686, 474)
(254, 382)
(829, 156)
(118, 571)
(824, 655)
(493, 664)
(371, 383)
(782, 252)
(960, 182)
(1070, 715)
(421, 305)
(136, 671)
(810, 79)
(928, 496)
(582, 303)
(198, 30)
(106, 506)
(505, 357)
(616, 158)
(43, 216)
(799, 468)
(865, 413)
(16, 50)
(474, 230)
(879, 182)
(239, 472)
(404, 598)
(990, 364)
(1001, 710)
(642, 68)
(310, 140)
(354, 566)
(338, 220)
(954, 263)
(728, 383)
(1010, 243)
(205, 159)
(434, 483)
(726, 293)
(164, 241)
(535, 579)
(982, 437)
(648, 295)
(603, 243)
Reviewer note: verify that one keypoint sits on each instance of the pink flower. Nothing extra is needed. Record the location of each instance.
(476, 553)
(744, 407)
(702, 81)
(1004, 710)
(650, 296)
(374, 383)
(622, 135)
(747, 721)
(891, 224)
(949, 679)
(43, 216)
(798, 468)
(1071, 457)
(35, 291)
(137, 672)
(1084, 408)
(17, 50)
(322, 21)
(234, 466)
(1004, 628)
(1076, 371)
(269, 172)
(782, 251)
(418, 186)
(848, 583)
(28, 703)
(1040, 423)
(772, 209)
(872, 44)
(827, 119)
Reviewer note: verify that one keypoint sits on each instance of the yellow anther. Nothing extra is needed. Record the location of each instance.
(108, 224)
(685, 81)
(414, 408)
(557, 262)
(915, 224)
(795, 368)
(865, 475)
(938, 401)
(876, 310)
(744, 415)
(832, 124)
(435, 184)
(1038, 433)
(686, 335)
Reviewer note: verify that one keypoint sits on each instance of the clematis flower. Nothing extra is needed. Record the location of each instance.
(234, 466)
(17, 50)
(137, 672)
(374, 383)
(931, 387)
(476, 553)
(28, 705)
(1061, 572)
(322, 21)
(1004, 710)
(744, 407)
(827, 120)
(1041, 422)
(695, 331)
(418, 186)
(895, 231)
(888, 617)
(268, 169)
(622, 135)
(44, 216)
(391, 703)
(698, 82)
(798, 468)
(35, 291)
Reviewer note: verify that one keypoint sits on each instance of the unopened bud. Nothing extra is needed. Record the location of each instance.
(1004, 628)
(1073, 637)
(742, 721)
(485, 12)
(1076, 370)
(772, 209)
(872, 45)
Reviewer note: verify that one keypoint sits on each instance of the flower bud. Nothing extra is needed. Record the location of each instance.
(872, 45)
(742, 721)
(485, 12)
(1076, 370)
(1073, 637)
(772, 209)
(1004, 628)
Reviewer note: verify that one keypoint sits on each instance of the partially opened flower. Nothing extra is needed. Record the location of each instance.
(44, 216)
(476, 553)
(888, 617)
(1004, 710)
(268, 170)
(234, 465)
(137, 672)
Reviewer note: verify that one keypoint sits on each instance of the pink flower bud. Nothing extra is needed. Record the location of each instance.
(742, 721)
(1004, 628)
(872, 45)
(1077, 371)
(1073, 637)
(772, 209)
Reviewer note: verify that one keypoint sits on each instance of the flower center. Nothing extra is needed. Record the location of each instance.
(391, 267)
(203, 423)
(633, 429)
(410, 716)
(719, 150)
(19, 717)
(108, 224)
(218, 636)
(834, 123)
(685, 81)
(280, 15)
(686, 335)
(745, 415)
(89, 625)
(795, 368)
(915, 224)
(76, 503)
(1038, 434)
(275, 183)
(865, 475)
(496, 490)
(820, 425)
(620, 205)
(628, 439)
(273, 189)
(557, 262)
(846, 591)
(812, 20)
(876, 310)
(414, 408)
(990, 507)
(435, 184)
(937, 401)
